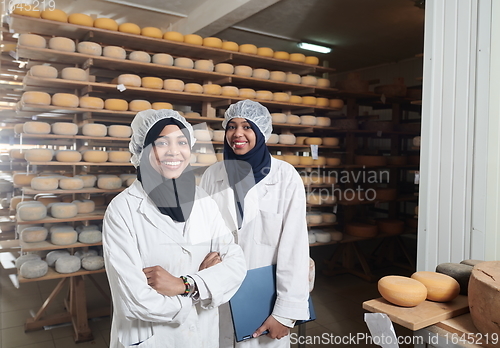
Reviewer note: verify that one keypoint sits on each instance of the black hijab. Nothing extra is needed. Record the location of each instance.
(173, 197)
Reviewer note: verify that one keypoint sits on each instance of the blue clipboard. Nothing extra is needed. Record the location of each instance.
(254, 302)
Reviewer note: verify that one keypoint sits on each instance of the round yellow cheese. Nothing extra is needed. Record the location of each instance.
(295, 99)
(218, 135)
(90, 48)
(38, 98)
(297, 57)
(305, 160)
(329, 141)
(139, 105)
(173, 36)
(278, 117)
(106, 23)
(36, 127)
(94, 130)
(248, 48)
(309, 80)
(281, 97)
(152, 32)
(161, 105)
(265, 52)
(230, 91)
(323, 83)
(64, 128)
(205, 65)
(31, 211)
(333, 161)
(308, 100)
(273, 139)
(247, 93)
(212, 42)
(173, 85)
(62, 44)
(193, 88)
(293, 78)
(281, 55)
(62, 211)
(23, 9)
(89, 180)
(293, 119)
(206, 158)
(311, 60)
(402, 291)
(81, 19)
(322, 102)
(212, 89)
(264, 95)
(277, 76)
(308, 120)
(68, 156)
(45, 183)
(230, 46)
(152, 82)
(193, 39)
(130, 80)
(140, 56)
(95, 156)
(243, 70)
(119, 156)
(75, 74)
(44, 71)
(292, 159)
(16, 153)
(130, 28)
(336, 103)
(119, 131)
(440, 287)
(287, 139)
(323, 121)
(23, 179)
(32, 40)
(38, 155)
(65, 100)
(183, 62)
(110, 182)
(163, 59)
(116, 104)
(114, 52)
(203, 134)
(71, 183)
(91, 103)
(261, 74)
(84, 206)
(313, 141)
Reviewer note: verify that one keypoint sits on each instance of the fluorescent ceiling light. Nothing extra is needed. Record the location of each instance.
(315, 48)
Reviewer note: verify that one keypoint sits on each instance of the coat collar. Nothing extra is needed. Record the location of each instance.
(270, 179)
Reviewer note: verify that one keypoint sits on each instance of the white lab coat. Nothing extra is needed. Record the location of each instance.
(136, 235)
(274, 231)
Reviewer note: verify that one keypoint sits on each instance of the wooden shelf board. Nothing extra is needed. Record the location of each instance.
(52, 274)
(9, 245)
(55, 163)
(46, 245)
(71, 137)
(323, 224)
(30, 191)
(96, 215)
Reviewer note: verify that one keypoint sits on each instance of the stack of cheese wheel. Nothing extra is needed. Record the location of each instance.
(230, 91)
(161, 105)
(183, 62)
(73, 183)
(328, 217)
(204, 65)
(193, 88)
(293, 78)
(281, 97)
(261, 74)
(218, 135)
(322, 236)
(45, 183)
(34, 234)
(309, 80)
(173, 85)
(139, 105)
(129, 28)
(320, 161)
(297, 57)
(281, 55)
(248, 48)
(362, 230)
(243, 70)
(62, 210)
(323, 83)
(277, 76)
(309, 100)
(16, 154)
(313, 141)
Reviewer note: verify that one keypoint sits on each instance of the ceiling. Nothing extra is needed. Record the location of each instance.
(362, 33)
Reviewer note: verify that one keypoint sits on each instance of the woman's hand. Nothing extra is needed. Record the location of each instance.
(163, 282)
(275, 328)
(210, 260)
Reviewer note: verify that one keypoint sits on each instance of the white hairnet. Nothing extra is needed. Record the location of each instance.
(142, 123)
(253, 111)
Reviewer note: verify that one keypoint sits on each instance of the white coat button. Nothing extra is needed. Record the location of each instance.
(192, 328)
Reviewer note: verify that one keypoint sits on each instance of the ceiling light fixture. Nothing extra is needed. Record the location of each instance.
(313, 47)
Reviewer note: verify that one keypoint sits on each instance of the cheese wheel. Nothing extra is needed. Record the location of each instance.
(119, 156)
(139, 105)
(36, 127)
(224, 68)
(281, 55)
(111, 182)
(323, 121)
(23, 179)
(16, 154)
(33, 269)
(204, 64)
(329, 141)
(18, 128)
(295, 99)
(293, 119)
(248, 48)
(140, 56)
(308, 120)
(130, 181)
(39, 155)
(94, 130)
(261, 74)
(84, 206)
(320, 161)
(185, 63)
(212, 42)
(287, 139)
(95, 156)
(193, 88)
(126, 176)
(300, 140)
(114, 52)
(119, 131)
(93, 263)
(308, 80)
(130, 80)
(361, 230)
(68, 156)
(203, 134)
(116, 104)
(38, 98)
(281, 97)
(247, 93)
(333, 161)
(311, 60)
(336, 103)
(243, 70)
(90, 252)
(323, 236)
(91, 103)
(402, 291)
(265, 52)
(314, 218)
(130, 28)
(152, 32)
(292, 159)
(106, 23)
(297, 57)
(31, 211)
(230, 46)
(305, 160)
(68, 264)
(173, 36)
(308, 100)
(62, 210)
(89, 180)
(81, 19)
(62, 44)
(212, 89)
(152, 82)
(54, 255)
(206, 158)
(329, 217)
(90, 48)
(293, 78)
(323, 83)
(44, 71)
(25, 9)
(440, 287)
(32, 40)
(25, 258)
(64, 128)
(218, 135)
(264, 95)
(65, 100)
(193, 39)
(71, 183)
(173, 85)
(163, 59)
(44, 183)
(322, 102)
(34, 234)
(230, 91)
(90, 237)
(161, 105)
(278, 76)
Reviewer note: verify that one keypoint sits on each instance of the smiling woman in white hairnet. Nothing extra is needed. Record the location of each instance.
(170, 259)
(262, 200)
